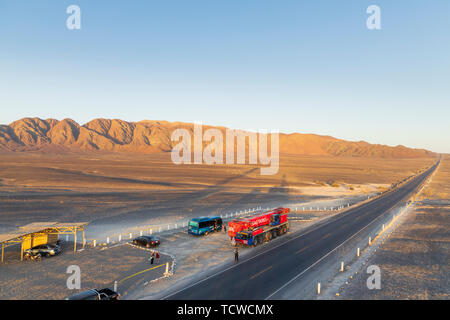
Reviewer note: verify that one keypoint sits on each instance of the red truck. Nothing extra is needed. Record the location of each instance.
(278, 216)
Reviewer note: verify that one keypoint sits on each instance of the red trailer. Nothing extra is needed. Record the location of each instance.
(278, 216)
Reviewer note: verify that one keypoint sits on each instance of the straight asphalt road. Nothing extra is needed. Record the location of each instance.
(265, 274)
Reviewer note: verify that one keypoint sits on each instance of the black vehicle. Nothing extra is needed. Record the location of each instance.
(146, 241)
(44, 250)
(94, 294)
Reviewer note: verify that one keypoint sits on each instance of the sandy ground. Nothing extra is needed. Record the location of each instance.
(118, 192)
(414, 261)
(100, 267)
(115, 189)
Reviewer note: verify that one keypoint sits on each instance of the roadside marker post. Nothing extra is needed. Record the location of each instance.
(107, 240)
(115, 286)
(120, 237)
(318, 288)
(342, 266)
(131, 235)
(140, 233)
(357, 252)
(166, 274)
(95, 243)
(370, 241)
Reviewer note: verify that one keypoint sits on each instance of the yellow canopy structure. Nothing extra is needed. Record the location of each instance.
(37, 233)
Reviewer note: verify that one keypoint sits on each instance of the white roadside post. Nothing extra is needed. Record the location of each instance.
(166, 274)
(140, 233)
(342, 266)
(357, 252)
(120, 237)
(115, 286)
(131, 235)
(95, 243)
(370, 241)
(318, 288)
(107, 240)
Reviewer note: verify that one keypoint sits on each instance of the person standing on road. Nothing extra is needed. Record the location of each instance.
(152, 257)
(236, 254)
(157, 256)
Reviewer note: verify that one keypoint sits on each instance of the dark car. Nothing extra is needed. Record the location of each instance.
(146, 241)
(94, 294)
(44, 250)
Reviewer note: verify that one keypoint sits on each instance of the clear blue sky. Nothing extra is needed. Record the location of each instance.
(297, 66)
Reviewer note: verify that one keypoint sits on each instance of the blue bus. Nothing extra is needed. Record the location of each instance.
(204, 225)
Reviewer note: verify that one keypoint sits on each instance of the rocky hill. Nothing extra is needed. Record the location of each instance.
(34, 134)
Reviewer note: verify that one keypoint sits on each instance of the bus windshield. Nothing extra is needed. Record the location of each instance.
(193, 224)
(242, 236)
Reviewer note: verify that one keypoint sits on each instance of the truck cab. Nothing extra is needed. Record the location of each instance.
(275, 219)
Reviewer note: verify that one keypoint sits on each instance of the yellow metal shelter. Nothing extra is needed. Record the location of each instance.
(38, 233)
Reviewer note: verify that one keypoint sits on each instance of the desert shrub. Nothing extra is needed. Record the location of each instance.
(335, 185)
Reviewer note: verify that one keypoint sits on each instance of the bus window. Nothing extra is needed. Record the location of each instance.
(193, 224)
(204, 224)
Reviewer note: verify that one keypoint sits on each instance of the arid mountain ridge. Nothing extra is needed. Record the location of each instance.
(34, 134)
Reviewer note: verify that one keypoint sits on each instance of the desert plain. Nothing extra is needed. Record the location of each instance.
(118, 192)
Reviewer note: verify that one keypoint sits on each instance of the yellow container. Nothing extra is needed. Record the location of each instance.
(36, 239)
